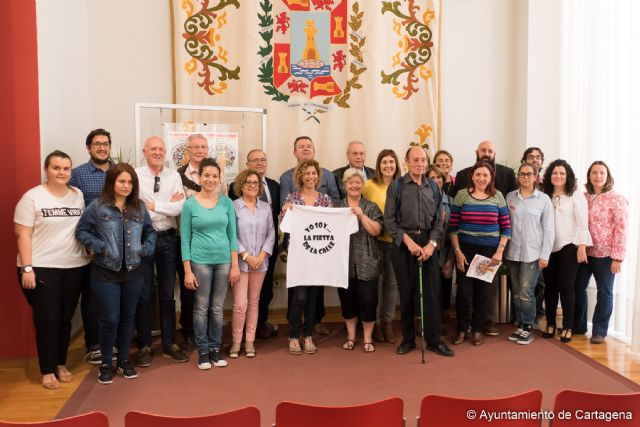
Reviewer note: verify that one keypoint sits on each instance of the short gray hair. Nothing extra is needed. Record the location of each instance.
(351, 172)
(196, 136)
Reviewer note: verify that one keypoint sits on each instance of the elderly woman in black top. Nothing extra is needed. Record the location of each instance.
(361, 298)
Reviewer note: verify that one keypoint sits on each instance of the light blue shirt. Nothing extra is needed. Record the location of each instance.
(255, 232)
(532, 225)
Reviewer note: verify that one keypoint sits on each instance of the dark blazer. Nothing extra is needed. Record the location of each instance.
(505, 180)
(340, 172)
(274, 192)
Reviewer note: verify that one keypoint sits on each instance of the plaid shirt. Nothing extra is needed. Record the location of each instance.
(89, 179)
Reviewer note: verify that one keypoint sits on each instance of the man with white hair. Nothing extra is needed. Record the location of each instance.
(356, 156)
(162, 193)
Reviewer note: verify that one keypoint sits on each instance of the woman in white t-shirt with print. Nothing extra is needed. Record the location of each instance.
(51, 263)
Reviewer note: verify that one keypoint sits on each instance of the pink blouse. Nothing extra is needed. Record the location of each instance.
(608, 218)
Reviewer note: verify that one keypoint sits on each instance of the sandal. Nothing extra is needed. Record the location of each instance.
(309, 346)
(249, 349)
(50, 382)
(294, 346)
(368, 347)
(549, 331)
(63, 374)
(566, 336)
(349, 344)
(234, 351)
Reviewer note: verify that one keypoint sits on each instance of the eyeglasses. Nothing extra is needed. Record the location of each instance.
(526, 175)
(259, 160)
(97, 144)
(252, 183)
(156, 184)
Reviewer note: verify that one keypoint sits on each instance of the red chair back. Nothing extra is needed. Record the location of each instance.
(245, 417)
(445, 411)
(384, 413)
(580, 408)
(93, 419)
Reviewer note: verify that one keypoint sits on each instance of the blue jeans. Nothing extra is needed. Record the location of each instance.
(524, 277)
(213, 282)
(303, 301)
(117, 301)
(600, 268)
(164, 261)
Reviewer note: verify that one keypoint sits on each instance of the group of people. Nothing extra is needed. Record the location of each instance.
(104, 233)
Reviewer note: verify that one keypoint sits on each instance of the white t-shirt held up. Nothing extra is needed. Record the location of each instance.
(319, 245)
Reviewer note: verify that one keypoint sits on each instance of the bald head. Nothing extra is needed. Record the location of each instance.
(486, 151)
(154, 152)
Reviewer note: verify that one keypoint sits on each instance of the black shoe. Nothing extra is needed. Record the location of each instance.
(105, 374)
(174, 353)
(189, 344)
(216, 358)
(405, 348)
(143, 358)
(442, 349)
(263, 332)
(127, 370)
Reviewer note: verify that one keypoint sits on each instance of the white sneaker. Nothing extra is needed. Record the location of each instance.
(515, 335)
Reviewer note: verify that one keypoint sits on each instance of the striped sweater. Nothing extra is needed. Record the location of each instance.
(479, 222)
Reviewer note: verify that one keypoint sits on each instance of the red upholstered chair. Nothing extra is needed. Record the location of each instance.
(587, 409)
(245, 417)
(445, 411)
(93, 419)
(384, 413)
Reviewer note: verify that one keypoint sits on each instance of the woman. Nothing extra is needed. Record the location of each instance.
(256, 237)
(571, 218)
(444, 160)
(446, 257)
(530, 247)
(210, 256)
(307, 177)
(608, 218)
(51, 263)
(116, 229)
(375, 190)
(360, 299)
(479, 225)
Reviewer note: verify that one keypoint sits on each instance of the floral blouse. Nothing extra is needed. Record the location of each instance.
(322, 200)
(608, 219)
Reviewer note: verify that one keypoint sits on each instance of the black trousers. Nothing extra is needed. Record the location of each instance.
(54, 300)
(560, 277)
(472, 293)
(359, 300)
(266, 293)
(405, 266)
(187, 297)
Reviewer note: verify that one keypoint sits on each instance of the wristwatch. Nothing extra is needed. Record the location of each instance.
(245, 256)
(27, 268)
(434, 243)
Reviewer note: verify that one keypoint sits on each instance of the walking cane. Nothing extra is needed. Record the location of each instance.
(421, 308)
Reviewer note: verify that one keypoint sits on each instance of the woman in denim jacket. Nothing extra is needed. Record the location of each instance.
(116, 229)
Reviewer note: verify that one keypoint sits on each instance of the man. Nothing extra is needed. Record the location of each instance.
(356, 156)
(162, 193)
(533, 156)
(197, 150)
(505, 182)
(89, 178)
(303, 149)
(411, 215)
(257, 160)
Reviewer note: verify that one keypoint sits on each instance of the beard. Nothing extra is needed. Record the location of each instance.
(98, 161)
(491, 161)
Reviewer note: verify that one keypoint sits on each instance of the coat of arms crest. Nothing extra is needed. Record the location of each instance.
(313, 52)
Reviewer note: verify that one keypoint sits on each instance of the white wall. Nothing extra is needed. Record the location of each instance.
(483, 85)
(95, 60)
